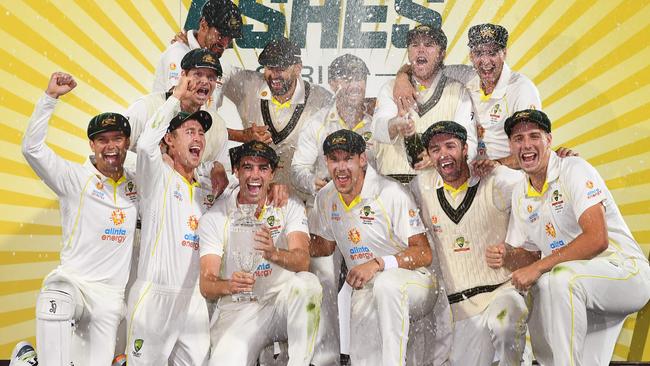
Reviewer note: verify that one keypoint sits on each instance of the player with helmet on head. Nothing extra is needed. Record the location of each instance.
(98, 202)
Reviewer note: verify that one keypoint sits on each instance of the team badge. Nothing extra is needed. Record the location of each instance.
(193, 222)
(270, 220)
(461, 244)
(556, 201)
(367, 136)
(495, 113)
(354, 236)
(550, 230)
(137, 346)
(366, 214)
(118, 216)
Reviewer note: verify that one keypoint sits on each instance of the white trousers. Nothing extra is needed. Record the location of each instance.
(94, 332)
(498, 333)
(244, 329)
(564, 298)
(382, 312)
(166, 326)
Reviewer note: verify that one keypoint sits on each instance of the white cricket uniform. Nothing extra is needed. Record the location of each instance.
(487, 310)
(451, 102)
(307, 164)
(513, 92)
(168, 317)
(168, 70)
(248, 90)
(377, 223)
(289, 303)
(616, 283)
(98, 218)
(141, 111)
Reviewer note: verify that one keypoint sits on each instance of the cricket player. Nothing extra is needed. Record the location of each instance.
(375, 224)
(167, 316)
(98, 204)
(275, 105)
(466, 216)
(590, 262)
(347, 75)
(289, 297)
(496, 91)
(220, 23)
(438, 98)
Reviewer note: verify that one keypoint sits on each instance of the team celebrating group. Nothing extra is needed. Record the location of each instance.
(458, 231)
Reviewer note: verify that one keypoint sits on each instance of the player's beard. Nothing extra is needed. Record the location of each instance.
(283, 88)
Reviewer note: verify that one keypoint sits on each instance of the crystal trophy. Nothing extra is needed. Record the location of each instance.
(245, 256)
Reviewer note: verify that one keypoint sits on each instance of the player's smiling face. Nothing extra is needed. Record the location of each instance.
(203, 81)
(532, 147)
(347, 171)
(349, 92)
(210, 38)
(449, 155)
(281, 79)
(255, 175)
(425, 57)
(110, 151)
(488, 60)
(186, 144)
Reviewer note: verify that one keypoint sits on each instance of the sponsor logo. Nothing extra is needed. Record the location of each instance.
(480, 130)
(137, 346)
(52, 306)
(118, 216)
(550, 230)
(335, 215)
(589, 184)
(172, 66)
(99, 185)
(354, 236)
(461, 244)
(193, 222)
(414, 218)
(434, 223)
(367, 215)
(594, 192)
(557, 244)
(264, 93)
(191, 241)
(361, 252)
(533, 217)
(264, 269)
(99, 194)
(114, 234)
(412, 213)
(529, 208)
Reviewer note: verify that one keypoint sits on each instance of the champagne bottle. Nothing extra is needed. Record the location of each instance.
(414, 148)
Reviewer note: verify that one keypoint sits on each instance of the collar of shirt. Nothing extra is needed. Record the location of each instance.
(552, 173)
(499, 90)
(104, 179)
(191, 40)
(370, 189)
(334, 117)
(423, 93)
(298, 96)
(439, 182)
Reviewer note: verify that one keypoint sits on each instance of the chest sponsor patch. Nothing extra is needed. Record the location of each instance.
(361, 252)
(263, 269)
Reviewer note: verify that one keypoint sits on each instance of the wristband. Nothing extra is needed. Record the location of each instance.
(390, 262)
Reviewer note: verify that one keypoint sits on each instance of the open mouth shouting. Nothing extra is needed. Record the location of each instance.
(111, 157)
(254, 188)
(446, 166)
(195, 151)
(528, 159)
(342, 178)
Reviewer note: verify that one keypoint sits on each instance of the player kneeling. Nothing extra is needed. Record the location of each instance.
(288, 298)
(375, 223)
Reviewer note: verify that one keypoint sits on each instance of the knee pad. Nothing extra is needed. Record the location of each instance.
(59, 302)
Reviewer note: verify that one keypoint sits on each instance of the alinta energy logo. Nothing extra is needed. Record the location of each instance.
(191, 240)
(116, 234)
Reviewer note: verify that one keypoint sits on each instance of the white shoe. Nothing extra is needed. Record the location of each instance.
(23, 355)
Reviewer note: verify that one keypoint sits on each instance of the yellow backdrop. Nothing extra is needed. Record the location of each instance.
(588, 58)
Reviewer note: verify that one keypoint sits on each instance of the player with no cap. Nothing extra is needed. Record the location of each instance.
(98, 218)
(590, 268)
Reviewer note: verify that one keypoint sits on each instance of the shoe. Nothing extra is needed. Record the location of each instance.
(23, 355)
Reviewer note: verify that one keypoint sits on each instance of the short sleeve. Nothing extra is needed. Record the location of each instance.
(296, 217)
(585, 185)
(211, 233)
